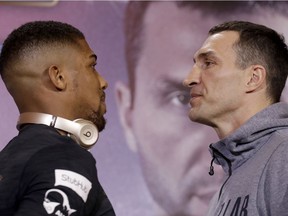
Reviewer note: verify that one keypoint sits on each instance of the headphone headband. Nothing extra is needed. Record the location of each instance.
(84, 132)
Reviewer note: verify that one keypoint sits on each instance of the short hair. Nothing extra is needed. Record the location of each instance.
(33, 36)
(135, 30)
(258, 44)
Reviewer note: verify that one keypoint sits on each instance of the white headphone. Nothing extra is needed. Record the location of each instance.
(84, 132)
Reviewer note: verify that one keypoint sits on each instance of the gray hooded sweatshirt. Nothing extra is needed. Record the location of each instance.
(255, 159)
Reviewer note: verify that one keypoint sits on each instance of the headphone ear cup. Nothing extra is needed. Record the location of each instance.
(87, 135)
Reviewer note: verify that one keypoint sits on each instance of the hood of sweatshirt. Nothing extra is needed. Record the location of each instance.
(235, 149)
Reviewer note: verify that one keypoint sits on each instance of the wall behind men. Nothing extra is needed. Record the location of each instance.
(102, 23)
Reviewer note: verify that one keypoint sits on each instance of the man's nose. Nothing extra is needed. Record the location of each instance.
(192, 78)
(103, 82)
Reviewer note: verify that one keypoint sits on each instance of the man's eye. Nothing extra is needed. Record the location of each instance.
(208, 63)
(179, 98)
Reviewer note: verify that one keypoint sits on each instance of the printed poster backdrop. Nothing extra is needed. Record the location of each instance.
(103, 22)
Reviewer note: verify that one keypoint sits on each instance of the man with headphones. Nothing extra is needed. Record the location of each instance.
(49, 70)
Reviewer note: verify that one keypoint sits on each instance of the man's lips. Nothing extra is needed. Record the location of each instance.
(194, 96)
(103, 96)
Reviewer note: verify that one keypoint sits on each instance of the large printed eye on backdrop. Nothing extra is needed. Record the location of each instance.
(136, 184)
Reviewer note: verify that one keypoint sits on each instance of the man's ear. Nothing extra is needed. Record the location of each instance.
(57, 78)
(256, 78)
(125, 110)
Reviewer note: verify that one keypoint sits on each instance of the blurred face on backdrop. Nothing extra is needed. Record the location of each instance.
(173, 152)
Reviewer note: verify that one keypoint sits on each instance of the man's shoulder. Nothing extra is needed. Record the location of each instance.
(34, 138)
(40, 144)
(278, 145)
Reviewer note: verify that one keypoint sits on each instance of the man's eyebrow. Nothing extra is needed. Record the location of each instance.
(203, 55)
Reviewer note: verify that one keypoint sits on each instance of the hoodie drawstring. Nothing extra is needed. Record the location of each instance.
(211, 170)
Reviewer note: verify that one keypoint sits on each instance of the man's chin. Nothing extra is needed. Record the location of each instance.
(193, 207)
(100, 124)
(186, 204)
(98, 120)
